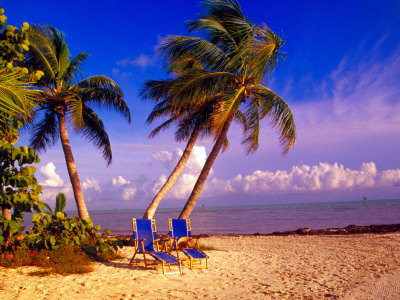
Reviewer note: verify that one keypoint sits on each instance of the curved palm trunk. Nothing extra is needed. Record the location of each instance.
(71, 166)
(198, 187)
(151, 210)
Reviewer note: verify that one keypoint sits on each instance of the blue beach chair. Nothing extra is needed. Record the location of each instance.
(180, 233)
(145, 238)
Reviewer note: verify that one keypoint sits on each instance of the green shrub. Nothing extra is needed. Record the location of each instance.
(53, 231)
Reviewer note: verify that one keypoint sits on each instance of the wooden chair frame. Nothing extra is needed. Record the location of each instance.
(194, 263)
(140, 249)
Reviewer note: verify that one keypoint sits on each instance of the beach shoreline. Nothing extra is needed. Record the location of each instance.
(356, 266)
(348, 230)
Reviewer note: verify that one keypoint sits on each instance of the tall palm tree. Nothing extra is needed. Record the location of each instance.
(192, 123)
(237, 56)
(63, 97)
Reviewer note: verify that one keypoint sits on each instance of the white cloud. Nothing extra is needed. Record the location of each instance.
(321, 177)
(163, 156)
(197, 159)
(52, 178)
(128, 193)
(120, 181)
(188, 177)
(91, 183)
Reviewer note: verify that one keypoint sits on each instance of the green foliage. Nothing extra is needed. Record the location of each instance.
(54, 231)
(19, 190)
(16, 98)
(59, 207)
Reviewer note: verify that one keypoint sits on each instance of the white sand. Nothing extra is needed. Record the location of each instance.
(245, 267)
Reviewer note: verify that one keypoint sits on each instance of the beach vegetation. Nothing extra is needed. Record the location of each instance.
(17, 97)
(64, 261)
(52, 230)
(19, 189)
(63, 97)
(237, 58)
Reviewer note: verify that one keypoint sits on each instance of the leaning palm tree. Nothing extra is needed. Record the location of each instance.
(191, 123)
(237, 56)
(62, 97)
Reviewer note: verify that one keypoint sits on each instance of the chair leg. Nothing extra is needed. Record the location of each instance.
(180, 269)
(133, 257)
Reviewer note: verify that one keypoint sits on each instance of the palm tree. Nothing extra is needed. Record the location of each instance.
(237, 56)
(192, 123)
(61, 98)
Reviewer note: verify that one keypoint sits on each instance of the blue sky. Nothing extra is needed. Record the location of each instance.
(341, 79)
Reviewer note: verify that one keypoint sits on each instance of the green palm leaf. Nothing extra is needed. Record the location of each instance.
(94, 132)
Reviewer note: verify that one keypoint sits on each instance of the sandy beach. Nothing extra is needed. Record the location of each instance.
(365, 266)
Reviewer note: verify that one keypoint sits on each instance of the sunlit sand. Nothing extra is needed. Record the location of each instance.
(244, 267)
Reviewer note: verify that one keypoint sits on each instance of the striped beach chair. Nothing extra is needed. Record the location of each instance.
(146, 243)
(180, 233)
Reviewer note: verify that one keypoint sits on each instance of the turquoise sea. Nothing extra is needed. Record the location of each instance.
(262, 219)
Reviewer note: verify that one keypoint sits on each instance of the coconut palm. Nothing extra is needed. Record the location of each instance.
(64, 97)
(192, 123)
(238, 56)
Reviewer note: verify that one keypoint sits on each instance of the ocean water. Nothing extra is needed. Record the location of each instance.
(262, 219)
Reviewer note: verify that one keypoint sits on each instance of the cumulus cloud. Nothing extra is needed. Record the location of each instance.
(304, 178)
(188, 177)
(128, 193)
(52, 178)
(120, 181)
(91, 183)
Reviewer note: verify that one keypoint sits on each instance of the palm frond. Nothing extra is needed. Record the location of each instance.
(211, 57)
(16, 97)
(76, 116)
(61, 51)
(102, 91)
(94, 131)
(163, 126)
(45, 132)
(42, 53)
(266, 52)
(252, 131)
(230, 105)
(279, 112)
(215, 32)
(74, 68)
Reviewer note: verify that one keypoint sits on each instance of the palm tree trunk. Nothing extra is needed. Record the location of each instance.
(173, 177)
(198, 187)
(71, 166)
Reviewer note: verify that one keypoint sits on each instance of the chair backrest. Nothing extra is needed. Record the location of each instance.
(179, 228)
(144, 229)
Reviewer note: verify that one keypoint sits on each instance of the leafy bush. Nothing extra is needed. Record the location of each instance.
(19, 190)
(53, 231)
